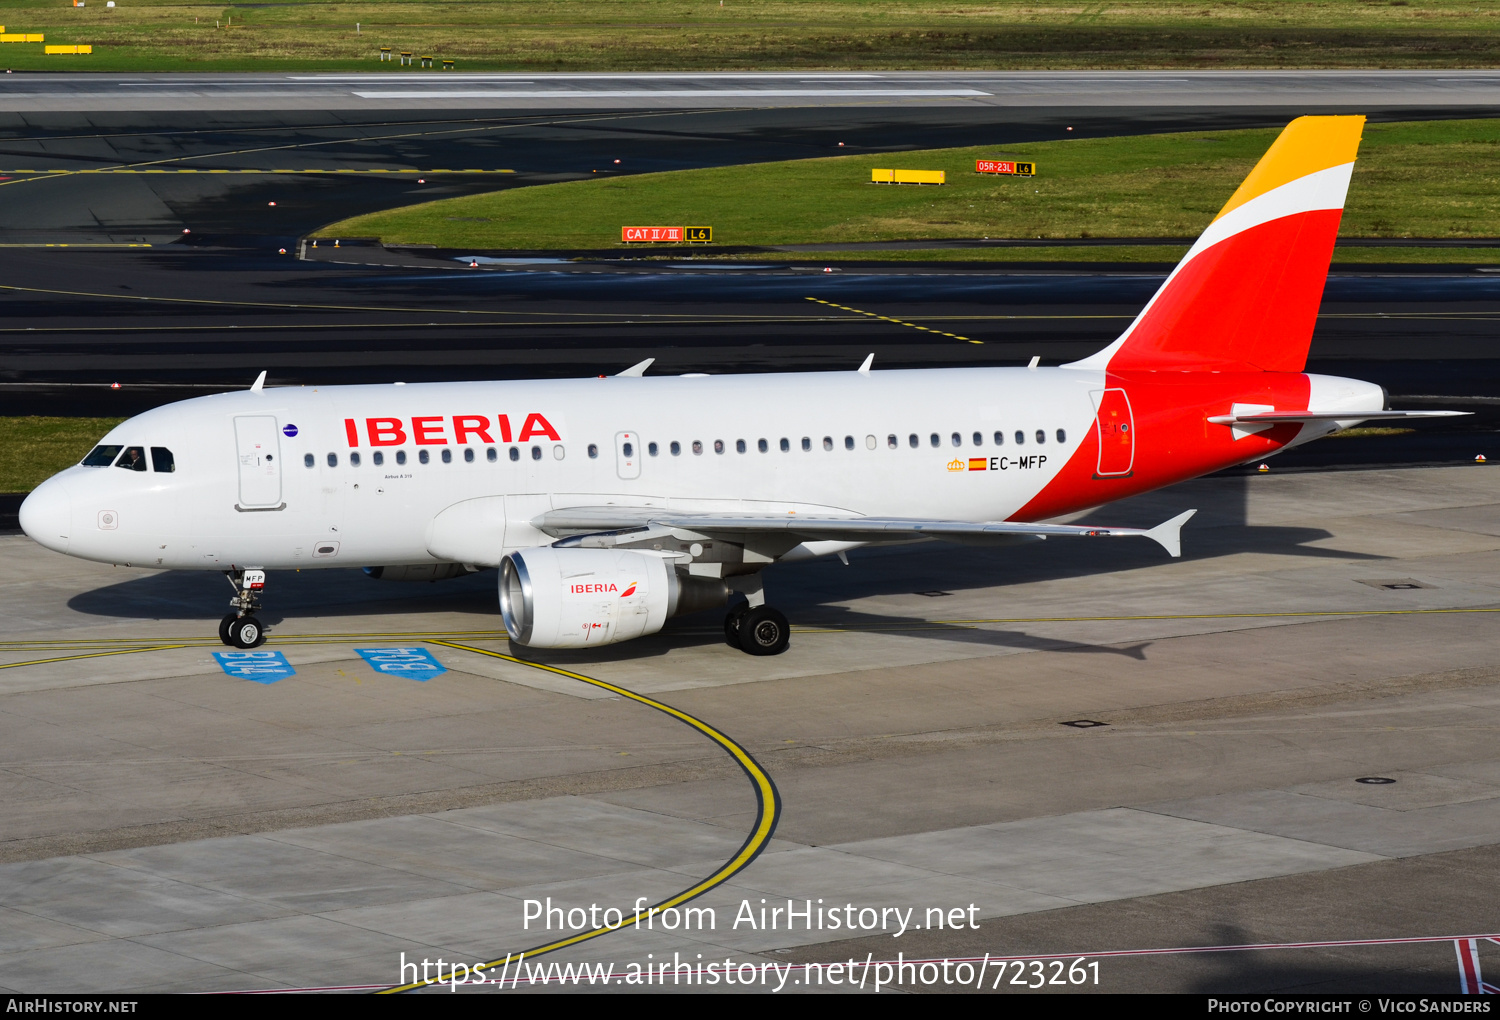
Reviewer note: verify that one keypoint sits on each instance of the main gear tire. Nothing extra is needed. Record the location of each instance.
(764, 631)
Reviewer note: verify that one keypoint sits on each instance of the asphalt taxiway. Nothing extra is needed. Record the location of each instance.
(171, 827)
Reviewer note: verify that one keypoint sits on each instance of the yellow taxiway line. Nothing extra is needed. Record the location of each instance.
(887, 318)
(88, 655)
(768, 811)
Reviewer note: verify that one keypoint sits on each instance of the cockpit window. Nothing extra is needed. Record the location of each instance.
(133, 459)
(101, 456)
(162, 460)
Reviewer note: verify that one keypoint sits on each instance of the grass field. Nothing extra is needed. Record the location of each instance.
(1435, 179)
(574, 35)
(33, 449)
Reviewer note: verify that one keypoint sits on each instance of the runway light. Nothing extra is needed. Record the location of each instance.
(281, 251)
(1070, 128)
(1479, 459)
(617, 161)
(1264, 469)
(186, 231)
(270, 203)
(841, 145)
(827, 269)
(421, 180)
(114, 385)
(474, 264)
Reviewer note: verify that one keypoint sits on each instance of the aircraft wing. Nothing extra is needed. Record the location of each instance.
(579, 521)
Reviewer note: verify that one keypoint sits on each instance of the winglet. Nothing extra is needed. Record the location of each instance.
(635, 371)
(1168, 534)
(865, 368)
(259, 383)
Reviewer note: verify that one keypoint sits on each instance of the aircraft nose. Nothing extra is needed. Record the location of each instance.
(47, 515)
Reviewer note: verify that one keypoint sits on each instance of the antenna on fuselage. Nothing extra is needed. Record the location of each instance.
(865, 368)
(259, 383)
(635, 371)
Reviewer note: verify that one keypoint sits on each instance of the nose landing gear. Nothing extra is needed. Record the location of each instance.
(240, 628)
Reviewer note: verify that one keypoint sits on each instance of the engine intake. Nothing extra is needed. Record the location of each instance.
(577, 598)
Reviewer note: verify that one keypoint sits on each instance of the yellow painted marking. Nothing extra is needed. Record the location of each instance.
(88, 655)
(767, 800)
(887, 318)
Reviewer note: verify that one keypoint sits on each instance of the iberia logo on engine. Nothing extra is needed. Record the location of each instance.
(602, 588)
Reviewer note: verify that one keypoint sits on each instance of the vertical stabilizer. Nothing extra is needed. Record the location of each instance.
(1246, 295)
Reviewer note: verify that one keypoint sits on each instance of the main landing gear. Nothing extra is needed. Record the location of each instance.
(240, 628)
(755, 627)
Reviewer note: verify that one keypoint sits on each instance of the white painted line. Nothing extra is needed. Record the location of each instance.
(655, 93)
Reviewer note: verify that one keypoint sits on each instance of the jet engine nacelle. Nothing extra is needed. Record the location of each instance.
(576, 598)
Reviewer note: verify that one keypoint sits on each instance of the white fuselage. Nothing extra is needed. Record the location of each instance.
(243, 492)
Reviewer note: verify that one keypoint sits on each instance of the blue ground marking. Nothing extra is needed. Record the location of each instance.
(410, 662)
(262, 667)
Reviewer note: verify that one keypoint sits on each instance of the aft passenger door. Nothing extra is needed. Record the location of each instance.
(628, 454)
(1116, 429)
(259, 448)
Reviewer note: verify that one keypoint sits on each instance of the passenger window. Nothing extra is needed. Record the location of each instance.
(786, 444)
(1041, 436)
(937, 440)
(891, 442)
(468, 455)
(421, 456)
(447, 456)
(309, 460)
(697, 447)
(333, 460)
(559, 452)
(718, 446)
(515, 453)
(536, 453)
(163, 461)
(653, 449)
(1020, 438)
(979, 439)
(739, 446)
(806, 443)
(354, 459)
(101, 456)
(913, 441)
(628, 449)
(491, 455)
(762, 445)
(999, 438)
(377, 458)
(675, 449)
(133, 459)
(593, 451)
(957, 439)
(848, 442)
(827, 442)
(401, 456)
(1062, 435)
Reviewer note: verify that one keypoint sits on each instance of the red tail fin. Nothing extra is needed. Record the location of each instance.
(1246, 295)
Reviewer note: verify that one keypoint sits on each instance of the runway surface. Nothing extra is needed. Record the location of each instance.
(173, 828)
(411, 88)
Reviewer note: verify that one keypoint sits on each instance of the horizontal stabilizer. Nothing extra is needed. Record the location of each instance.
(1285, 417)
(1168, 534)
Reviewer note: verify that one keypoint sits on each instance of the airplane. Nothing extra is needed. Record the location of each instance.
(611, 504)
